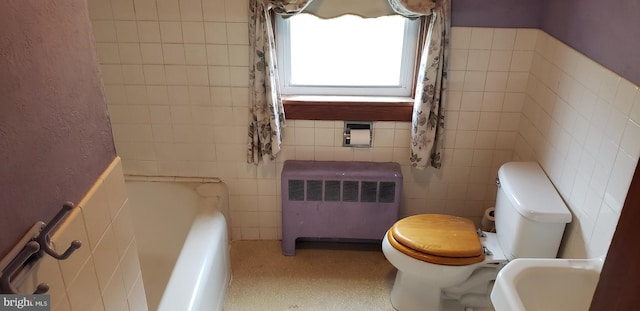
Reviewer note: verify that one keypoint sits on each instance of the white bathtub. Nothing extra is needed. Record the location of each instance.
(182, 241)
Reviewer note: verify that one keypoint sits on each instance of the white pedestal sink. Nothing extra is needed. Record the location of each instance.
(546, 284)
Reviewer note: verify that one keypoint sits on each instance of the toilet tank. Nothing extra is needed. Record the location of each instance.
(530, 215)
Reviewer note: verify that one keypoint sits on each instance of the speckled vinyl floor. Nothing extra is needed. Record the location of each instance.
(319, 277)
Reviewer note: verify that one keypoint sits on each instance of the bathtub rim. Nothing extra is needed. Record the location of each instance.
(226, 211)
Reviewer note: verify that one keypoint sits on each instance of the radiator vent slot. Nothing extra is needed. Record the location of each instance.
(332, 190)
(369, 191)
(296, 190)
(314, 190)
(387, 192)
(350, 191)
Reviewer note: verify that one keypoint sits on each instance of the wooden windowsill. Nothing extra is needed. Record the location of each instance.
(351, 108)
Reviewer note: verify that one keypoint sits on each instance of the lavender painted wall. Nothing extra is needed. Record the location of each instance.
(496, 13)
(606, 31)
(55, 136)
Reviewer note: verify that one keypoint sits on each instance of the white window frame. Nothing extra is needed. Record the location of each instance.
(407, 71)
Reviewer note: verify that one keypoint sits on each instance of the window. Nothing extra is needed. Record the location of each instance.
(348, 67)
(347, 55)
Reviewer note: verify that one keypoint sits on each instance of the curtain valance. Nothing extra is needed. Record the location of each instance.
(362, 8)
(413, 8)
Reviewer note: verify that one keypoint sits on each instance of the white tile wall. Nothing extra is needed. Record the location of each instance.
(578, 123)
(176, 79)
(103, 274)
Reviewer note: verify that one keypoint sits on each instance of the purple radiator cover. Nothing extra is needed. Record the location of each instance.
(337, 220)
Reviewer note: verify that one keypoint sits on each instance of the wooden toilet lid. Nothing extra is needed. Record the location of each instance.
(439, 239)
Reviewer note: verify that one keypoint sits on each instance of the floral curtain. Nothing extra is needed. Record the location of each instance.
(267, 112)
(427, 127)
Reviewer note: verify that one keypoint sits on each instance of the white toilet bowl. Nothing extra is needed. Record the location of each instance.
(419, 285)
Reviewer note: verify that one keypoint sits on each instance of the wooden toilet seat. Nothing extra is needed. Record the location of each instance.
(437, 239)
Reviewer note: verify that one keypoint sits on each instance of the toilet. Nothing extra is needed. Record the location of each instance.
(444, 260)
